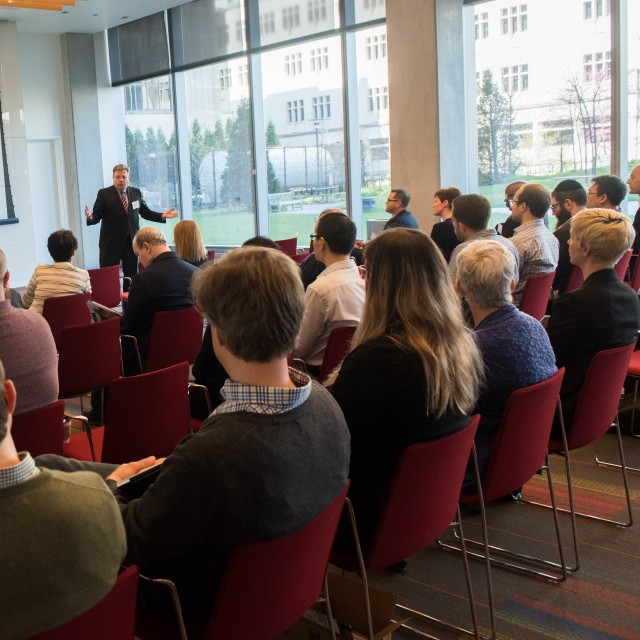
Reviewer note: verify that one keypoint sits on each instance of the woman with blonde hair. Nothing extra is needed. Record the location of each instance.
(189, 243)
(413, 371)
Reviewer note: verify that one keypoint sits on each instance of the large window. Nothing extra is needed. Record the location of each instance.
(304, 136)
(633, 86)
(544, 112)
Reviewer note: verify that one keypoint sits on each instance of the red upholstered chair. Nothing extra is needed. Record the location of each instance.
(105, 286)
(113, 618)
(536, 293)
(520, 450)
(144, 415)
(89, 359)
(634, 372)
(299, 257)
(65, 311)
(199, 405)
(269, 584)
(622, 265)
(40, 430)
(212, 254)
(337, 348)
(422, 502)
(634, 283)
(576, 279)
(288, 246)
(176, 336)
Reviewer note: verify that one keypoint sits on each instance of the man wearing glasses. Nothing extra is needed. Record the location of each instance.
(567, 199)
(396, 205)
(506, 228)
(606, 192)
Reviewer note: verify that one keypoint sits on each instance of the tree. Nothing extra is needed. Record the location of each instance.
(272, 140)
(237, 175)
(497, 142)
(271, 135)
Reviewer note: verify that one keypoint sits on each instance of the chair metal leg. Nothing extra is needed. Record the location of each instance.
(614, 465)
(175, 601)
(327, 606)
(465, 560)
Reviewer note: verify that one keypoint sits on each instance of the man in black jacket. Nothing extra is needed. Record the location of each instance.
(119, 208)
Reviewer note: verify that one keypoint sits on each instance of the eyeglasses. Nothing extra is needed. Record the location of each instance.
(555, 206)
(508, 202)
(592, 193)
(515, 202)
(392, 200)
(313, 235)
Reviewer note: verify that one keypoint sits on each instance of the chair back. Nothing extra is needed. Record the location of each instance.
(622, 265)
(599, 396)
(423, 497)
(113, 618)
(146, 415)
(635, 276)
(175, 336)
(89, 357)
(522, 439)
(64, 311)
(299, 257)
(40, 430)
(536, 293)
(337, 348)
(212, 254)
(576, 279)
(269, 584)
(105, 286)
(288, 246)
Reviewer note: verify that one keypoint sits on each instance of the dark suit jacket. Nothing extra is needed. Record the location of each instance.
(119, 227)
(164, 285)
(444, 235)
(602, 314)
(564, 268)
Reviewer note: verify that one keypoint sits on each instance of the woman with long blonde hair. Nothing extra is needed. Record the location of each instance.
(413, 371)
(189, 243)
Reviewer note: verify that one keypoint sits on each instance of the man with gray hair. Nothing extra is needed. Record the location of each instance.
(515, 347)
(163, 285)
(27, 350)
(470, 221)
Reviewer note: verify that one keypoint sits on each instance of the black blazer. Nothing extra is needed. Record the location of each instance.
(119, 227)
(164, 285)
(602, 314)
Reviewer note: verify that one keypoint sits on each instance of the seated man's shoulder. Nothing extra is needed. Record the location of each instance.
(66, 486)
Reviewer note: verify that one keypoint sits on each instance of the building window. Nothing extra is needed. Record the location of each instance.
(225, 78)
(293, 64)
(376, 47)
(317, 10)
(149, 95)
(482, 25)
(596, 65)
(596, 9)
(319, 58)
(243, 74)
(515, 78)
(291, 17)
(514, 19)
(378, 99)
(267, 22)
(321, 107)
(295, 111)
(239, 30)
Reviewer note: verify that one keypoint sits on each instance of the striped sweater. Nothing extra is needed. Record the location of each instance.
(54, 280)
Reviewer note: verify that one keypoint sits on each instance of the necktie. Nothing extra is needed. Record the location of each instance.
(125, 202)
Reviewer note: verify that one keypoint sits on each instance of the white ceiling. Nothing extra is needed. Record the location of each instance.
(87, 16)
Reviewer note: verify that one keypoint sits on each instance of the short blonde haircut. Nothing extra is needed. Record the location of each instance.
(150, 235)
(412, 302)
(189, 243)
(606, 234)
(486, 270)
(255, 299)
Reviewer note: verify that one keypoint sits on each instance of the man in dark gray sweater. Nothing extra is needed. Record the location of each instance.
(266, 462)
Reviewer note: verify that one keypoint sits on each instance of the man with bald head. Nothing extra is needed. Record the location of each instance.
(537, 247)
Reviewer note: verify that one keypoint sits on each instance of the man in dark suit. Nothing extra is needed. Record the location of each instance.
(602, 314)
(119, 208)
(165, 284)
(634, 188)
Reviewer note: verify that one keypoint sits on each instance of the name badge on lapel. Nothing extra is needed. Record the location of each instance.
(136, 204)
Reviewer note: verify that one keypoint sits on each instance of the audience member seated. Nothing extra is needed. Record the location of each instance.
(413, 370)
(58, 279)
(336, 297)
(27, 350)
(507, 228)
(163, 285)
(266, 462)
(62, 537)
(311, 267)
(634, 189)
(396, 205)
(567, 199)
(606, 192)
(189, 243)
(443, 233)
(207, 369)
(537, 246)
(470, 221)
(515, 347)
(604, 312)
